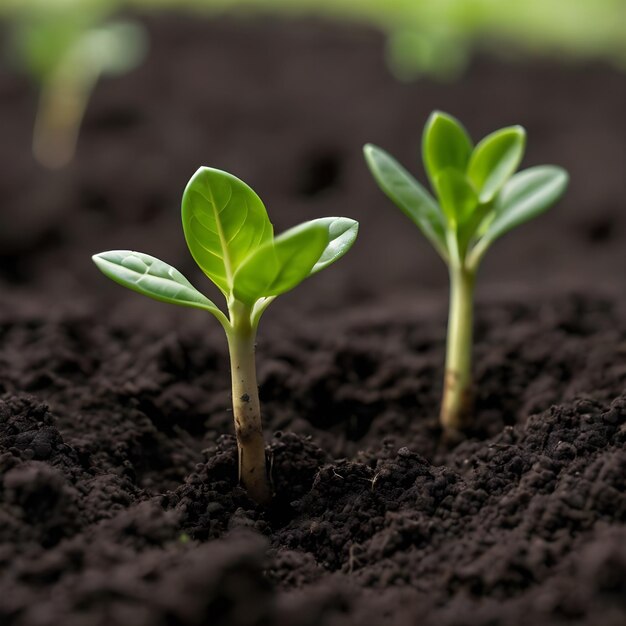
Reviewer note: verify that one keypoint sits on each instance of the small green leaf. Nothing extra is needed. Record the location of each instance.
(151, 277)
(224, 222)
(445, 145)
(342, 233)
(528, 194)
(410, 197)
(456, 196)
(117, 47)
(282, 264)
(495, 159)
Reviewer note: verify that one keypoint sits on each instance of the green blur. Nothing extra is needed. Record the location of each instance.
(427, 36)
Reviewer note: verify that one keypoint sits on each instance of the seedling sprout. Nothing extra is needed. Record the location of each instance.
(67, 54)
(231, 238)
(479, 199)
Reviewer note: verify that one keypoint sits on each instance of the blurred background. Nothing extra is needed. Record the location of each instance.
(108, 106)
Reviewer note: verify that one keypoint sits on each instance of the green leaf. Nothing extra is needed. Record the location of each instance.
(445, 145)
(153, 278)
(224, 222)
(116, 47)
(342, 233)
(282, 264)
(43, 42)
(456, 196)
(410, 197)
(528, 194)
(495, 159)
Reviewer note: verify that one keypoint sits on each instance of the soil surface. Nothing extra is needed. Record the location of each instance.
(118, 496)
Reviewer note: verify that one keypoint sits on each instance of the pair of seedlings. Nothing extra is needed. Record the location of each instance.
(478, 198)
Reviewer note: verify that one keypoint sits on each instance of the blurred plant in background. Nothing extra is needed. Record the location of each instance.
(425, 36)
(438, 36)
(66, 46)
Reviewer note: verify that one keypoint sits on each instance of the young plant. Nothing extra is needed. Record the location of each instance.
(231, 238)
(479, 199)
(67, 53)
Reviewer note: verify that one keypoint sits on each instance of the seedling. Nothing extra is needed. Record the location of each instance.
(479, 199)
(67, 53)
(231, 238)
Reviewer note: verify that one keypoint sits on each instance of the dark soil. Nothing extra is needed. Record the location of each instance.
(118, 496)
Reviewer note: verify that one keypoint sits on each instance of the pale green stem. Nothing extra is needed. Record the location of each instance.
(457, 401)
(62, 106)
(246, 406)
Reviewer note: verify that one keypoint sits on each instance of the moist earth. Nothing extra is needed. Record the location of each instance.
(119, 501)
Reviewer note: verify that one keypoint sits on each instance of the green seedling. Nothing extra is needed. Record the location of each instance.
(231, 238)
(479, 199)
(67, 53)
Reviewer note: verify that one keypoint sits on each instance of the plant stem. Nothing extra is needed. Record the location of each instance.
(457, 401)
(247, 409)
(61, 109)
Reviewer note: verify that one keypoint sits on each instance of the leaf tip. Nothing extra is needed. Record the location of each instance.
(562, 173)
(351, 226)
(439, 117)
(203, 171)
(99, 259)
(519, 131)
(433, 119)
(562, 178)
(436, 115)
(374, 158)
(369, 152)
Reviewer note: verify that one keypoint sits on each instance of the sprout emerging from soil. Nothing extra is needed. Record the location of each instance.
(479, 199)
(231, 238)
(67, 54)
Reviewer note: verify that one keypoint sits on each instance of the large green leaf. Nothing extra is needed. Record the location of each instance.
(456, 196)
(282, 264)
(342, 233)
(528, 194)
(445, 144)
(154, 278)
(412, 199)
(224, 221)
(495, 159)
